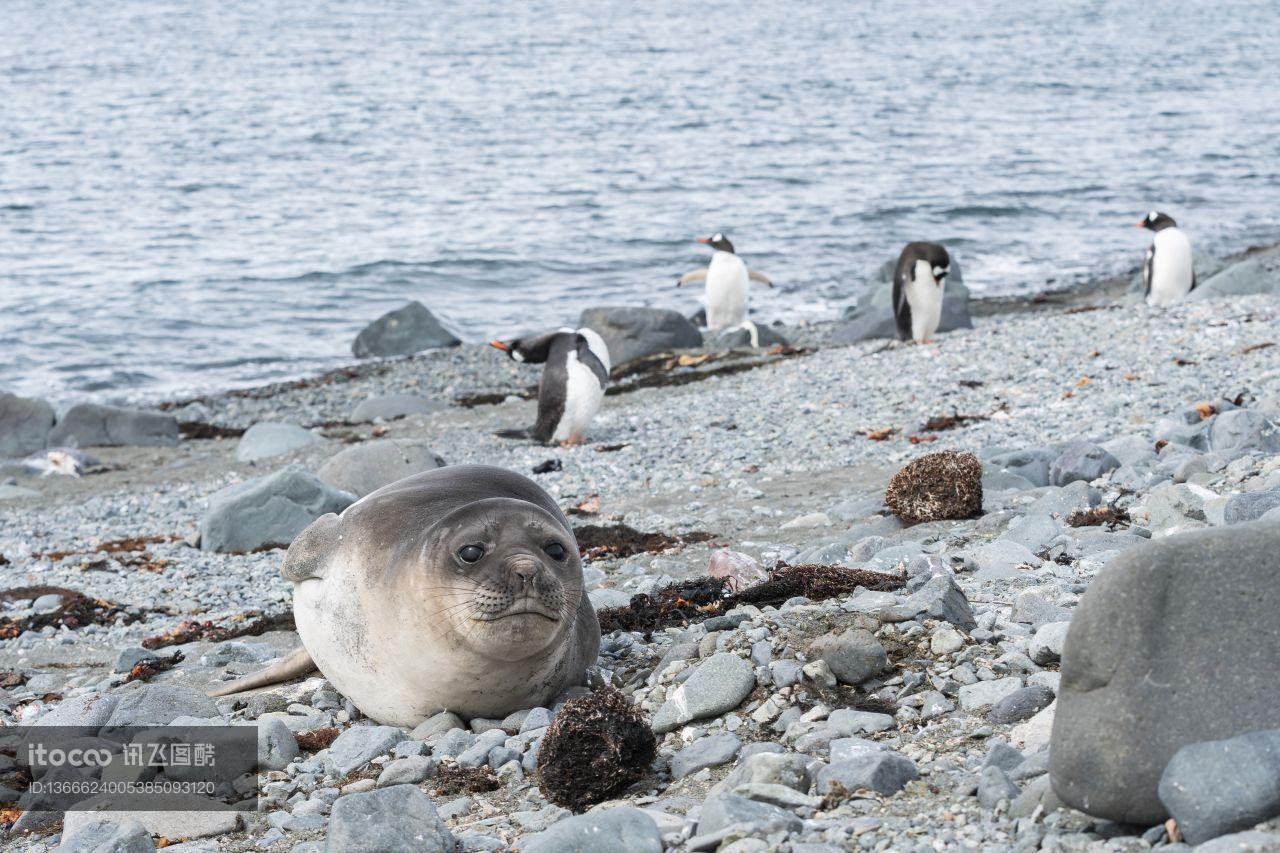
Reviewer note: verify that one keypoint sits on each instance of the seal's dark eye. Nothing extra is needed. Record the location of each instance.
(555, 551)
(470, 553)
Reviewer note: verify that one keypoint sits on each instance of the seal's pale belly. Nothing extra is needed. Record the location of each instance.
(400, 663)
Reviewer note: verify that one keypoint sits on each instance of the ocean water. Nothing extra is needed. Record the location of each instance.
(198, 196)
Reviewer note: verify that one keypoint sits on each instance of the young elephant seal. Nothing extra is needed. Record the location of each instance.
(457, 589)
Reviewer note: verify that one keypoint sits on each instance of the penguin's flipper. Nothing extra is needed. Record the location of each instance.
(901, 307)
(1194, 281)
(692, 276)
(759, 277)
(1148, 265)
(523, 432)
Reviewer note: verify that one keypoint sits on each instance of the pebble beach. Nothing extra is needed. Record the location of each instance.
(917, 718)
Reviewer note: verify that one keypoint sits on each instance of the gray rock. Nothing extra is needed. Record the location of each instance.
(766, 336)
(632, 333)
(93, 425)
(365, 468)
(1222, 786)
(1062, 501)
(725, 810)
(277, 746)
(131, 656)
(985, 694)
(1032, 464)
(853, 655)
(768, 768)
(710, 751)
(359, 745)
(849, 722)
(1249, 506)
(1000, 560)
(1259, 273)
(400, 819)
(1046, 646)
(617, 830)
(160, 704)
(1033, 532)
(1081, 461)
(1039, 793)
(190, 816)
(1173, 644)
(13, 493)
(995, 785)
(439, 724)
(24, 425)
(409, 770)
(389, 407)
(265, 439)
(1242, 431)
(1000, 754)
(89, 710)
(269, 511)
(882, 771)
(107, 835)
(403, 331)
(1020, 705)
(939, 598)
(1176, 505)
(718, 685)
(1241, 842)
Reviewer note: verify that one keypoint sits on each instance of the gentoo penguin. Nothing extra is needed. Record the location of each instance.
(726, 281)
(572, 386)
(919, 283)
(1167, 271)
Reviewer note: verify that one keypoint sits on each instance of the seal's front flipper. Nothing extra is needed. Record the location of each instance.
(293, 665)
(307, 555)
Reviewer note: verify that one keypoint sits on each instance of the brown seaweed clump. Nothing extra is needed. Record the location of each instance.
(1097, 516)
(597, 746)
(814, 582)
(946, 485)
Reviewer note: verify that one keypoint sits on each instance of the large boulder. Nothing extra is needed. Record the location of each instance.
(403, 331)
(24, 425)
(92, 425)
(872, 318)
(365, 468)
(269, 511)
(1175, 643)
(1258, 273)
(632, 333)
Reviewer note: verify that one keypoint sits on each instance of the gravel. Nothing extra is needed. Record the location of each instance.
(739, 456)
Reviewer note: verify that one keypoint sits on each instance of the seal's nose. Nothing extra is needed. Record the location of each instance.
(526, 568)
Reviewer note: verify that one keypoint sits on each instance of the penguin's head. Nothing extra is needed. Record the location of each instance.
(717, 241)
(1155, 221)
(513, 349)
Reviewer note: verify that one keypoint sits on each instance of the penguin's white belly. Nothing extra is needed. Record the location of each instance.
(924, 295)
(1171, 268)
(726, 291)
(582, 399)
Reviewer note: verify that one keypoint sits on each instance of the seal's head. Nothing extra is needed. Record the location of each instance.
(506, 577)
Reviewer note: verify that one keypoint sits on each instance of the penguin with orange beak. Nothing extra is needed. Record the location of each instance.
(572, 386)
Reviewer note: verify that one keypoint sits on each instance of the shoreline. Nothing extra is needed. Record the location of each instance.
(786, 461)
